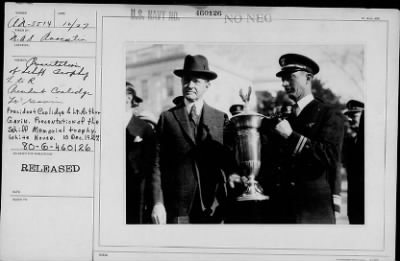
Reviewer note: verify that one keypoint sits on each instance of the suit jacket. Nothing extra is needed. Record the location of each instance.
(185, 163)
(301, 171)
(140, 157)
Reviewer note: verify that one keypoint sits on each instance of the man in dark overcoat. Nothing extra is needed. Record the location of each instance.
(302, 154)
(189, 180)
(140, 157)
(353, 154)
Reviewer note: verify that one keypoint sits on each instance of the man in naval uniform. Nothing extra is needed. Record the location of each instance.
(301, 159)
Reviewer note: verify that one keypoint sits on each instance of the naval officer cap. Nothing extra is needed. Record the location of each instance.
(293, 62)
(354, 106)
(236, 109)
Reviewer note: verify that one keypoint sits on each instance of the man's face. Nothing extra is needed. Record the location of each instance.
(354, 119)
(193, 88)
(128, 102)
(297, 84)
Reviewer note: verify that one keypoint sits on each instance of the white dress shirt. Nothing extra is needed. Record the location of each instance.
(304, 102)
(199, 106)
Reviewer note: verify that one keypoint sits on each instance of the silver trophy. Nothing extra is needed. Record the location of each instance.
(247, 147)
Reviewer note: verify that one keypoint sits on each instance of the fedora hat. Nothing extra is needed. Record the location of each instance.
(196, 65)
(293, 62)
(130, 89)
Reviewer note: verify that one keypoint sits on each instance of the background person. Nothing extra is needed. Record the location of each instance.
(140, 156)
(353, 152)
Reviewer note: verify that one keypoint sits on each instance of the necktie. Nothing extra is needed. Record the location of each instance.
(193, 115)
(296, 109)
(194, 119)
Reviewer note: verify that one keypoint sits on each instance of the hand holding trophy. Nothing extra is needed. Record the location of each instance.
(247, 147)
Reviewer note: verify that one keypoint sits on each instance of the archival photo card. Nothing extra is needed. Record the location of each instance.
(198, 132)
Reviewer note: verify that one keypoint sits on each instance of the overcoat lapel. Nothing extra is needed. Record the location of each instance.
(308, 118)
(307, 112)
(209, 120)
(183, 119)
(134, 126)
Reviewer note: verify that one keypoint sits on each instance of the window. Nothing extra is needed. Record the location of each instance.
(145, 89)
(170, 85)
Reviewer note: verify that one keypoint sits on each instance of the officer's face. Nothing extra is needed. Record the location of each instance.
(297, 84)
(194, 88)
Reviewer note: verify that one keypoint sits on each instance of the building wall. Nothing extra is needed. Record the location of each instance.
(156, 84)
(150, 70)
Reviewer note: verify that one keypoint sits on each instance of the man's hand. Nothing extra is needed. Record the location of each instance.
(284, 129)
(159, 215)
(337, 202)
(237, 185)
(235, 179)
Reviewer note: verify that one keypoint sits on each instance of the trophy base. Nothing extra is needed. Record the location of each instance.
(253, 196)
(253, 192)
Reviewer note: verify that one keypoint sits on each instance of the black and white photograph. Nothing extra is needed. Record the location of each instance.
(257, 158)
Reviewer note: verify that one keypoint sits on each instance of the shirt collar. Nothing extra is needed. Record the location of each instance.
(304, 102)
(129, 115)
(199, 105)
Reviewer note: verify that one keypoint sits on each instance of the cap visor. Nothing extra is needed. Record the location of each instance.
(288, 71)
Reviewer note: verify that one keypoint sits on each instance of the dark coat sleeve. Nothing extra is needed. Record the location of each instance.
(229, 163)
(149, 159)
(157, 194)
(322, 150)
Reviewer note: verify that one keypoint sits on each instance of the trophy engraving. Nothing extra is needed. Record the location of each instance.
(248, 148)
